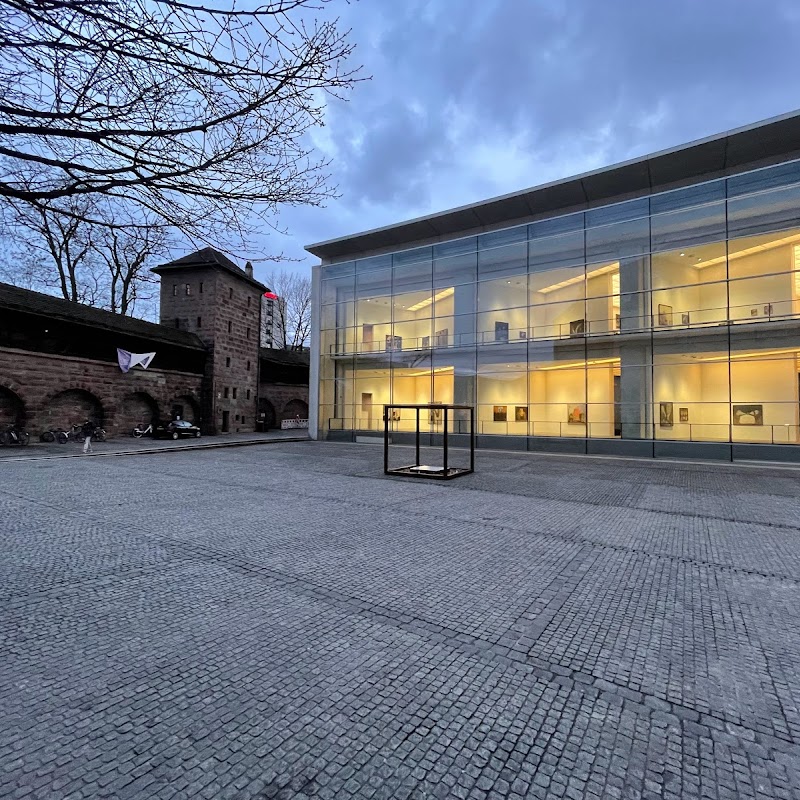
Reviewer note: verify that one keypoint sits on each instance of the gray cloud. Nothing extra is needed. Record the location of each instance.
(474, 98)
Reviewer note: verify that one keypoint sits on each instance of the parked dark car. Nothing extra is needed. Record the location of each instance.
(175, 429)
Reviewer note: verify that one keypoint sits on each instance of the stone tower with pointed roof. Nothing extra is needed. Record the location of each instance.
(207, 294)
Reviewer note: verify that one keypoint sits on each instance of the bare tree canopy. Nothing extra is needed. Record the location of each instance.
(292, 309)
(104, 263)
(196, 112)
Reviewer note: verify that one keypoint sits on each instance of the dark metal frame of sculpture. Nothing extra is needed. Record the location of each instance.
(417, 470)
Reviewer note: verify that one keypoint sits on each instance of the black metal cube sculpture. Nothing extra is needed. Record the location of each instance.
(439, 416)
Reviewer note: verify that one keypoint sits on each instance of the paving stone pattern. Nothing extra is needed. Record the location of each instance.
(284, 621)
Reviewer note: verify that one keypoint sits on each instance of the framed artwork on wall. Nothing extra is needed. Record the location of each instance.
(426, 341)
(393, 343)
(501, 331)
(685, 318)
(435, 416)
(576, 414)
(665, 415)
(577, 327)
(441, 337)
(521, 414)
(395, 415)
(683, 414)
(500, 413)
(664, 315)
(748, 415)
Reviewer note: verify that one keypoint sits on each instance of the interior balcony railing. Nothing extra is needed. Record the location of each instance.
(663, 317)
(747, 433)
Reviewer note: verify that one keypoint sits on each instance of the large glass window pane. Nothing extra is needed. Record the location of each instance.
(556, 226)
(766, 178)
(774, 210)
(413, 335)
(690, 266)
(688, 197)
(372, 390)
(559, 320)
(618, 212)
(455, 263)
(603, 299)
(503, 398)
(373, 263)
(765, 276)
(337, 289)
(412, 275)
(373, 310)
(691, 397)
(603, 413)
(331, 271)
(765, 376)
(688, 228)
(338, 315)
(503, 253)
(557, 390)
(612, 242)
(556, 252)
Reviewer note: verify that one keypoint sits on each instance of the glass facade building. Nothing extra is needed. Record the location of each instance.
(666, 323)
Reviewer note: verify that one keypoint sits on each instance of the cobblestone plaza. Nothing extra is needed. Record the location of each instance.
(283, 621)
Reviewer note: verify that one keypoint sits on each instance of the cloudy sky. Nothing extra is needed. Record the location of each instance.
(473, 98)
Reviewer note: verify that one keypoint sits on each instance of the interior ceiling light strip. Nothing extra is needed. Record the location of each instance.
(748, 251)
(796, 268)
(580, 278)
(430, 300)
(755, 354)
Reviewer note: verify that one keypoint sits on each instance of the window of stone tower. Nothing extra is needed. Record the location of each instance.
(248, 394)
(177, 322)
(230, 326)
(199, 322)
(248, 366)
(227, 361)
(230, 294)
(234, 392)
(188, 288)
(248, 333)
(248, 301)
(201, 287)
(225, 393)
(174, 289)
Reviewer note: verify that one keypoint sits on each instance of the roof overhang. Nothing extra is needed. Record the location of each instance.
(761, 144)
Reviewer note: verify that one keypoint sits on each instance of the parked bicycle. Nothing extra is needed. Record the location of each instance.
(55, 435)
(14, 435)
(76, 434)
(139, 431)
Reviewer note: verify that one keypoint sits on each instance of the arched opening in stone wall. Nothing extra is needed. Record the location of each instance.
(185, 407)
(138, 408)
(12, 409)
(71, 407)
(295, 408)
(268, 410)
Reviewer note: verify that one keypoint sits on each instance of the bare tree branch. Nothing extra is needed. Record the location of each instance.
(195, 112)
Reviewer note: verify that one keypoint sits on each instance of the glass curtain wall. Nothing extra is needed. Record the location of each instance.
(671, 317)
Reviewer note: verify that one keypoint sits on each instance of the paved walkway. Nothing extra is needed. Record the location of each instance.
(128, 444)
(284, 621)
